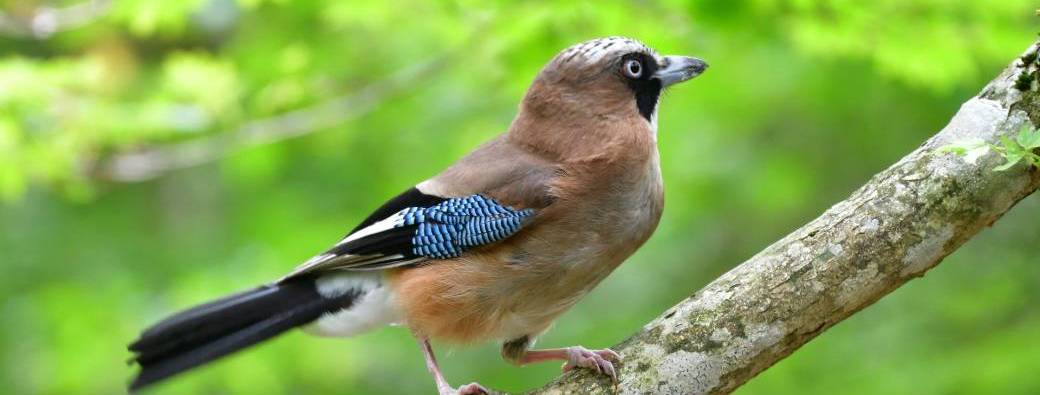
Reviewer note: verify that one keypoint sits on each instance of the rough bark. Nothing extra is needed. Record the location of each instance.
(899, 225)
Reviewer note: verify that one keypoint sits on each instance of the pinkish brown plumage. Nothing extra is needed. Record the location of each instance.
(495, 247)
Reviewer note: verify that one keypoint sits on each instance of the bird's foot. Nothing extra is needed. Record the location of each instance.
(602, 361)
(468, 389)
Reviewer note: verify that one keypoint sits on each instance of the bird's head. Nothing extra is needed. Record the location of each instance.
(613, 81)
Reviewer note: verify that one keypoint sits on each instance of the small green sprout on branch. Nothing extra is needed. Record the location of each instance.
(1023, 147)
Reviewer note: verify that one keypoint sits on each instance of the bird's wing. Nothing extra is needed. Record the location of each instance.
(487, 196)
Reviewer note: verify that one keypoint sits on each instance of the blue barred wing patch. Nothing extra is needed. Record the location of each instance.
(451, 227)
(443, 229)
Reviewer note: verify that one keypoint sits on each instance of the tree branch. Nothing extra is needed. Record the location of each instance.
(153, 162)
(156, 161)
(903, 222)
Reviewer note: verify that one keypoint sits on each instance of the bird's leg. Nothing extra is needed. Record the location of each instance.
(601, 361)
(443, 388)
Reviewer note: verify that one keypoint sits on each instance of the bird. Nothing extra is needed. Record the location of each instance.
(493, 248)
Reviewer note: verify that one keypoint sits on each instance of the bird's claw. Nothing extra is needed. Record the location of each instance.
(599, 360)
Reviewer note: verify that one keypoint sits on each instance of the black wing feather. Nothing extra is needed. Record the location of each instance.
(410, 198)
(389, 242)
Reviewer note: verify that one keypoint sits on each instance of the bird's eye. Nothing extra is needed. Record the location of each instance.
(632, 68)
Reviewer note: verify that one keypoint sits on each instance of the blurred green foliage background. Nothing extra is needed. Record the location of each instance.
(156, 154)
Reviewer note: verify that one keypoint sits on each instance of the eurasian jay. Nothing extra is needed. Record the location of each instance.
(495, 247)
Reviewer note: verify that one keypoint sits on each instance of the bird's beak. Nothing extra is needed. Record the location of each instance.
(676, 69)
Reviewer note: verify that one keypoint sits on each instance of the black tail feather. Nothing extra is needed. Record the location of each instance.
(213, 330)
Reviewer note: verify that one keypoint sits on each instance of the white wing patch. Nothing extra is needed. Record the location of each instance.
(325, 260)
(381, 226)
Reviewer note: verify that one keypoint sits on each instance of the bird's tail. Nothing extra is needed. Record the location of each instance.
(212, 330)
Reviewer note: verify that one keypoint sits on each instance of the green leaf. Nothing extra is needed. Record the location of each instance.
(962, 147)
(971, 150)
(1034, 160)
(947, 149)
(1028, 137)
(1012, 159)
(1011, 147)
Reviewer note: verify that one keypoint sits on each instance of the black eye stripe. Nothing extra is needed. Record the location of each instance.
(646, 89)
